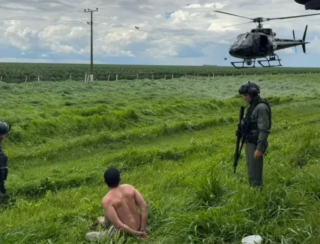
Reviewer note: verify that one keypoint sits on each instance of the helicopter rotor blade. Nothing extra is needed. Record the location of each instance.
(232, 14)
(290, 17)
(237, 24)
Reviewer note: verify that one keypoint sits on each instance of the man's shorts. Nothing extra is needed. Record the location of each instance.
(95, 235)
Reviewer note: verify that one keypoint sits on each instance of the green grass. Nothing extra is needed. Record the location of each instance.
(174, 141)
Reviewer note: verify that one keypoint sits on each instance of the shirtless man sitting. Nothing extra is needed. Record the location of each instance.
(120, 206)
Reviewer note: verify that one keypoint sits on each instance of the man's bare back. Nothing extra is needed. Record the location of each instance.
(120, 206)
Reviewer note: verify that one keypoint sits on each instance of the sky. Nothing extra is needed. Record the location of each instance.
(171, 32)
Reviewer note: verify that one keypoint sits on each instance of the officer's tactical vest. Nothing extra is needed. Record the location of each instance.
(248, 125)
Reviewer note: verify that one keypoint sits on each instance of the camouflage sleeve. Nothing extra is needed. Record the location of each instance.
(263, 126)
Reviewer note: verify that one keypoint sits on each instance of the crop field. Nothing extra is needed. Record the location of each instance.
(174, 140)
(19, 72)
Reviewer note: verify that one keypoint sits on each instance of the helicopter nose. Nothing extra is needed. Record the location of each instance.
(240, 51)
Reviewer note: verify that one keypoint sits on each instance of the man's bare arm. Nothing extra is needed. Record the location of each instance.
(111, 214)
(144, 209)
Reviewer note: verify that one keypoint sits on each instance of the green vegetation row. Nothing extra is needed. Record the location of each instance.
(20, 72)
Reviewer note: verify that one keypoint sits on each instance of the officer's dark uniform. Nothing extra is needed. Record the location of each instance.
(256, 126)
(4, 129)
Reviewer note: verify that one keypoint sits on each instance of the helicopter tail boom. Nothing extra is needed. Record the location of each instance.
(287, 43)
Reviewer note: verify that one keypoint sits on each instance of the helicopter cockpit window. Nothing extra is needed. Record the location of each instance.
(239, 40)
(251, 40)
(246, 39)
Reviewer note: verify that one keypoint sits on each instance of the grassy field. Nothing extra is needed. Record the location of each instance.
(174, 140)
(20, 72)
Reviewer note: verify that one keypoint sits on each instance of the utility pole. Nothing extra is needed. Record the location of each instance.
(91, 23)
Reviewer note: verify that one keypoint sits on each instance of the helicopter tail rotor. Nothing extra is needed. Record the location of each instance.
(294, 38)
(304, 39)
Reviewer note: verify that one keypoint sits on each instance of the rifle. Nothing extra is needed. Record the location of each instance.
(239, 134)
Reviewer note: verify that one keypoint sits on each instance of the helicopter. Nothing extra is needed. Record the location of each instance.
(309, 4)
(262, 43)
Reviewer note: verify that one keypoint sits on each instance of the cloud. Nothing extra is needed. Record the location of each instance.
(167, 29)
(314, 46)
(39, 60)
(287, 50)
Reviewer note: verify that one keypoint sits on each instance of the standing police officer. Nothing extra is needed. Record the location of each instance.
(4, 129)
(256, 127)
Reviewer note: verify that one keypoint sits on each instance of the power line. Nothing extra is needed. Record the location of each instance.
(91, 55)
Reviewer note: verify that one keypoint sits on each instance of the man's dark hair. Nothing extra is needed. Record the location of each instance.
(112, 177)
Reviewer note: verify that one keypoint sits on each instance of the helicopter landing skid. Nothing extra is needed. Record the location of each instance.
(244, 62)
(252, 64)
(274, 57)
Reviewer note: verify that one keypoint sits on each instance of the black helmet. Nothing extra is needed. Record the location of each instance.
(4, 128)
(250, 88)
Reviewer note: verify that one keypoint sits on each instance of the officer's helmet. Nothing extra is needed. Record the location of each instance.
(4, 128)
(250, 88)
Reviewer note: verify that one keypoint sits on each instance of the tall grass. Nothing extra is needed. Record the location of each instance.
(174, 141)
